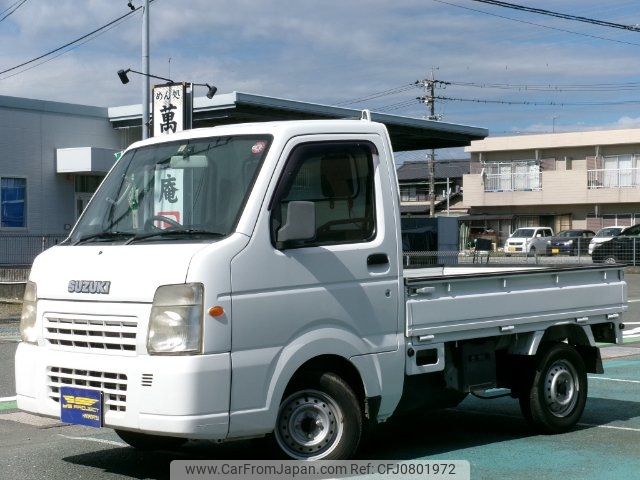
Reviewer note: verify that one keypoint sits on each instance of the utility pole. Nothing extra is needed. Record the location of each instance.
(145, 70)
(429, 99)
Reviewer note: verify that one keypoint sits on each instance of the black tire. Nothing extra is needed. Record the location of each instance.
(142, 441)
(555, 394)
(609, 259)
(532, 252)
(319, 417)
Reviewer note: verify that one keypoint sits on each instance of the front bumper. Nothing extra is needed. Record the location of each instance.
(183, 396)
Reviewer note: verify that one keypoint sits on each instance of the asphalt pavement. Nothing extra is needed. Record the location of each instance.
(490, 434)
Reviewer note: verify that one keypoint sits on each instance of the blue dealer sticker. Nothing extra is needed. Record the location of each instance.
(81, 406)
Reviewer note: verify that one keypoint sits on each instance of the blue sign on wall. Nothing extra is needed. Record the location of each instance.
(81, 406)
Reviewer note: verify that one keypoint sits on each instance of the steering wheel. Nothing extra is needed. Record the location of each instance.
(149, 223)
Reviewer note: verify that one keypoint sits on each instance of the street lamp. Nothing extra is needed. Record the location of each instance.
(122, 74)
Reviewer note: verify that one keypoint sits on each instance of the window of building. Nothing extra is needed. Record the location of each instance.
(13, 195)
(519, 175)
(338, 179)
(620, 171)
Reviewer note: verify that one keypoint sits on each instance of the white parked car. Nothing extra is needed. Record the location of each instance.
(604, 235)
(529, 240)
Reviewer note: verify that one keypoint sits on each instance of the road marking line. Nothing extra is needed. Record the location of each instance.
(614, 379)
(633, 300)
(97, 440)
(7, 399)
(613, 427)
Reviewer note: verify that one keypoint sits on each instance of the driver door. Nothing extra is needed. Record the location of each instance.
(340, 288)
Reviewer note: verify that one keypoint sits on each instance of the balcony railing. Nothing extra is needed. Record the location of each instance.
(614, 178)
(512, 182)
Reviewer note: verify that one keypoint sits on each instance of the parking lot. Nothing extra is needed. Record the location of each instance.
(490, 434)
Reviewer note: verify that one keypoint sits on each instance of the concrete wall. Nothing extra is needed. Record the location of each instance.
(29, 138)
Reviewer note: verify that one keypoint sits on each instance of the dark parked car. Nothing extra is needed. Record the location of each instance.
(625, 248)
(570, 241)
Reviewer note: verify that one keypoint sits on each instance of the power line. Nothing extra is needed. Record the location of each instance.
(585, 87)
(59, 54)
(556, 104)
(10, 6)
(73, 42)
(19, 2)
(384, 93)
(565, 16)
(564, 30)
(395, 106)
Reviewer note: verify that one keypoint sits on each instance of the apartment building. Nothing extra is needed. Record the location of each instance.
(561, 180)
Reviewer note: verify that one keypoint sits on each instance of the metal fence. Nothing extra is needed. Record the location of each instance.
(569, 251)
(21, 250)
(613, 178)
(512, 182)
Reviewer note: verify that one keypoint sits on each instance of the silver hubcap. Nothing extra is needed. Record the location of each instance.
(309, 425)
(610, 260)
(561, 388)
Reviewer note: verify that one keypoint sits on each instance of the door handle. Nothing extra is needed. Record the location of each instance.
(377, 259)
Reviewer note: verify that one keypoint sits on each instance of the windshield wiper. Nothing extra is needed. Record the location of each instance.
(174, 232)
(102, 235)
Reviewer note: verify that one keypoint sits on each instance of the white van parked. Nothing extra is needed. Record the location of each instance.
(530, 240)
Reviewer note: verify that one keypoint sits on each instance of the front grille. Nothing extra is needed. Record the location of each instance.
(86, 333)
(112, 385)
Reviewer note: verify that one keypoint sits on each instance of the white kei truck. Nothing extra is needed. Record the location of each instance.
(246, 280)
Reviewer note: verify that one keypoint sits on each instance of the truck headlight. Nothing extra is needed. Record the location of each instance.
(28, 332)
(175, 322)
(568, 242)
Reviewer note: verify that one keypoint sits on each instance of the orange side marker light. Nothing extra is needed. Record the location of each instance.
(216, 311)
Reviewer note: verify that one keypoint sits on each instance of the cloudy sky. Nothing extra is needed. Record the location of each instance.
(336, 51)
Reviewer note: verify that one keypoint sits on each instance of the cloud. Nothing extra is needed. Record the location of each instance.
(329, 52)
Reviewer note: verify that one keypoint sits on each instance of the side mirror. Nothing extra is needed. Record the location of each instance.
(300, 223)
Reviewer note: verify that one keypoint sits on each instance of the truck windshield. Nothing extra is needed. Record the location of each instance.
(191, 189)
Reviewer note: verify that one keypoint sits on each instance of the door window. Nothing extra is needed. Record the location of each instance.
(338, 178)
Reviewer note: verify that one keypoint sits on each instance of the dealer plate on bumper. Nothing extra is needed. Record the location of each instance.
(81, 406)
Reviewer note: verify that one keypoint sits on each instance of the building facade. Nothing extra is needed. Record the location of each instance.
(562, 180)
(41, 190)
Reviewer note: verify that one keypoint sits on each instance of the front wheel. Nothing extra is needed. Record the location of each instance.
(555, 397)
(610, 259)
(320, 418)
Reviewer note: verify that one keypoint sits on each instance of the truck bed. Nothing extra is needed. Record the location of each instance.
(461, 302)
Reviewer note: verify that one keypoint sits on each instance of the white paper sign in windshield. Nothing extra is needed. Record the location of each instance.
(168, 109)
(168, 197)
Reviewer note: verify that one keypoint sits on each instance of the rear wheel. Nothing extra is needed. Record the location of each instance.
(610, 259)
(142, 441)
(320, 418)
(555, 396)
